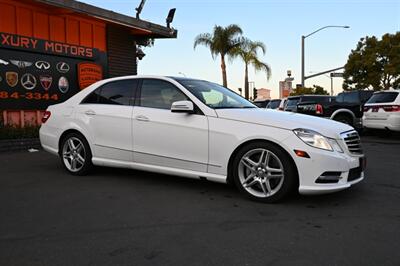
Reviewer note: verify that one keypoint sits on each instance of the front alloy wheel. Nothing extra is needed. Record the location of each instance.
(263, 172)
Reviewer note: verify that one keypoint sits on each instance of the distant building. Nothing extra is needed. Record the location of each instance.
(285, 88)
(263, 94)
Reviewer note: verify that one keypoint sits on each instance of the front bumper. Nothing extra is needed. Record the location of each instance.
(322, 161)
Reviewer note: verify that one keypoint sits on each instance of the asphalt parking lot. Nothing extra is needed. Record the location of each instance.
(126, 217)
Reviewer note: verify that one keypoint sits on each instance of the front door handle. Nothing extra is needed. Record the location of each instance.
(90, 112)
(142, 118)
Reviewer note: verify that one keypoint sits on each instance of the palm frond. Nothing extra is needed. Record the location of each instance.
(261, 66)
(203, 39)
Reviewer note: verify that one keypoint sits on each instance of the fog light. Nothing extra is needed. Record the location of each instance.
(329, 177)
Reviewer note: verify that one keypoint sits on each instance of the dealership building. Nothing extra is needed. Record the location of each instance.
(52, 49)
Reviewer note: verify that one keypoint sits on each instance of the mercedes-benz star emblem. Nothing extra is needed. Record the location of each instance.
(62, 67)
(42, 65)
(28, 81)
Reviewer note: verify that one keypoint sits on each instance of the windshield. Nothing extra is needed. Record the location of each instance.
(214, 95)
(292, 102)
(273, 104)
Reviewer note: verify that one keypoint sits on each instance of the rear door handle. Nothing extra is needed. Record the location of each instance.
(90, 112)
(142, 118)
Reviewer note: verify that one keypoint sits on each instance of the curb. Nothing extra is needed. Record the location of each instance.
(7, 145)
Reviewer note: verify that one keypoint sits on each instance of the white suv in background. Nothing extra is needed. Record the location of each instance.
(382, 111)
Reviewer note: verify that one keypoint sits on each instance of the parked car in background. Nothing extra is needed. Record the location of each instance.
(261, 103)
(274, 104)
(293, 101)
(282, 104)
(198, 129)
(382, 111)
(346, 108)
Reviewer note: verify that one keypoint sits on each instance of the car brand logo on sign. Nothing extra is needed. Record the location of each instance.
(21, 64)
(62, 67)
(28, 81)
(89, 73)
(63, 84)
(42, 65)
(46, 81)
(3, 62)
(12, 78)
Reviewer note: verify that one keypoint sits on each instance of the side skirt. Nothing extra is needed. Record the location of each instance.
(160, 169)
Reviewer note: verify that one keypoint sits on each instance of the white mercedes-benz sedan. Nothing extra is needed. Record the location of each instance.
(198, 129)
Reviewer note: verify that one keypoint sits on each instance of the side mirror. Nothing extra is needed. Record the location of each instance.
(182, 107)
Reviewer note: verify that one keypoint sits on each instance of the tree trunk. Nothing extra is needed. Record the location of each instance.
(246, 81)
(223, 68)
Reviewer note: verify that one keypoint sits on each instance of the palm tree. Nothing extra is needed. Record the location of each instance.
(248, 52)
(223, 41)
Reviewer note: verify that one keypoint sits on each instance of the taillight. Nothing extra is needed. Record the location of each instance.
(366, 108)
(319, 110)
(391, 108)
(46, 116)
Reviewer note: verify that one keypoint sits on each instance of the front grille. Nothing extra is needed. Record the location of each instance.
(353, 142)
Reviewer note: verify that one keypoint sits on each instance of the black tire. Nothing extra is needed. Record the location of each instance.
(346, 119)
(85, 167)
(290, 179)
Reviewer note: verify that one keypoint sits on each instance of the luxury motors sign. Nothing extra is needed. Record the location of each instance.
(36, 73)
(45, 46)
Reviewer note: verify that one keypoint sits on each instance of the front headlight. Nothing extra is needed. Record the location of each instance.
(316, 140)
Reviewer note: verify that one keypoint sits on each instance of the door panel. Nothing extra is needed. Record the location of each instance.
(164, 138)
(111, 127)
(108, 114)
(169, 139)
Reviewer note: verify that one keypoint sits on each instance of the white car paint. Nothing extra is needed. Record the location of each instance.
(201, 145)
(376, 117)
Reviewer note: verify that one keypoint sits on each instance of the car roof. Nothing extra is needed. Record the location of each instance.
(397, 90)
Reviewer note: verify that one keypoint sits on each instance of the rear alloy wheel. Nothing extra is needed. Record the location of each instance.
(263, 172)
(75, 154)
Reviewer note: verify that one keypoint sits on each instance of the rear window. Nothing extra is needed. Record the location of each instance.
(320, 99)
(383, 97)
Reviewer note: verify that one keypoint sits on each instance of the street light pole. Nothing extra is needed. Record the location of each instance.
(302, 61)
(302, 48)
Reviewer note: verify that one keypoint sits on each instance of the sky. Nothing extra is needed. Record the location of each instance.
(279, 24)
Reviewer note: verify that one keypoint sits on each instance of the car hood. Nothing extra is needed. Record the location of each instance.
(286, 120)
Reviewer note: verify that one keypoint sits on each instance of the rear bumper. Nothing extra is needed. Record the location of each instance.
(390, 123)
(49, 138)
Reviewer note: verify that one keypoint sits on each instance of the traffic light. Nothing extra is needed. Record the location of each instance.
(254, 93)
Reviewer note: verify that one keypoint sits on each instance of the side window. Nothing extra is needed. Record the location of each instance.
(93, 97)
(159, 94)
(351, 97)
(339, 98)
(119, 92)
